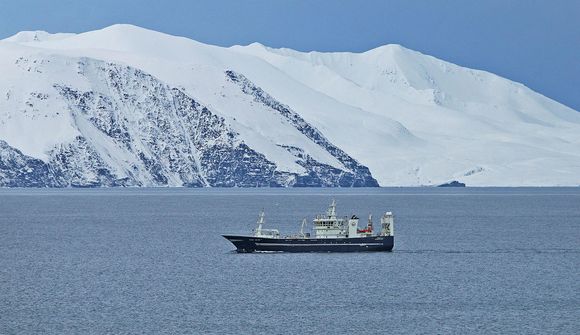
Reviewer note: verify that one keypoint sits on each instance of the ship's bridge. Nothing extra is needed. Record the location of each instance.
(329, 226)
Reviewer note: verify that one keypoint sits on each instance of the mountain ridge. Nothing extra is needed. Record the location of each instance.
(408, 119)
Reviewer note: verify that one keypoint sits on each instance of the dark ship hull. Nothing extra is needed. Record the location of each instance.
(355, 244)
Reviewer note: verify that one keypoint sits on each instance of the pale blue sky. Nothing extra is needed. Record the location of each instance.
(529, 41)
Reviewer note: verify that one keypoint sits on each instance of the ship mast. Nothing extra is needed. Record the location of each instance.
(302, 228)
(260, 222)
(331, 212)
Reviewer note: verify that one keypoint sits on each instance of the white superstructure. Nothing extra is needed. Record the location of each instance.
(331, 226)
(387, 224)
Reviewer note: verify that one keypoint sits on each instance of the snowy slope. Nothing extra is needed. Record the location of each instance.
(314, 119)
(482, 129)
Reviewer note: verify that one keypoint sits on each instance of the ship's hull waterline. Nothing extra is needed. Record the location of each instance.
(246, 244)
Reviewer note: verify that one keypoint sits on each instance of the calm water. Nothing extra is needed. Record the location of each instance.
(153, 261)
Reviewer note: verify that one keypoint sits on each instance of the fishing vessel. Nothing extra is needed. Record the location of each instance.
(331, 234)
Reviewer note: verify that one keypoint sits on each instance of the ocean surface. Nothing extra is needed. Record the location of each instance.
(152, 261)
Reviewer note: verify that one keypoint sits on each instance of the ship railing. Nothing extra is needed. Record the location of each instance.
(298, 236)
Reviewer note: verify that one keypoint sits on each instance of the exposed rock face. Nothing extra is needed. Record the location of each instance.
(360, 175)
(19, 170)
(138, 131)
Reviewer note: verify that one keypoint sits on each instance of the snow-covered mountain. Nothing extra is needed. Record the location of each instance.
(132, 107)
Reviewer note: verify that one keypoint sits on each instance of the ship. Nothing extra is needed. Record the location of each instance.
(331, 234)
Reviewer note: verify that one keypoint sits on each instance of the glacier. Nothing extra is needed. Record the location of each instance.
(127, 106)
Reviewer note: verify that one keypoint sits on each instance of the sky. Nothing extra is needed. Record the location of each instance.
(533, 42)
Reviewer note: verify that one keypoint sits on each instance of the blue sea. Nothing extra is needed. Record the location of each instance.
(152, 261)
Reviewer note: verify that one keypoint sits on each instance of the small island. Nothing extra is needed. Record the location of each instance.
(453, 183)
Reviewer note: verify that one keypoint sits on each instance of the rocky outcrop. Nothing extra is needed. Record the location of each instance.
(356, 174)
(135, 130)
(19, 170)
